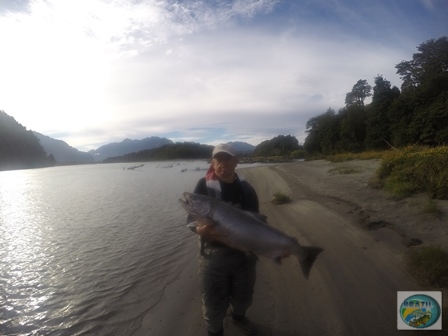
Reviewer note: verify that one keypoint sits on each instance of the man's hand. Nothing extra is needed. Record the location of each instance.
(203, 230)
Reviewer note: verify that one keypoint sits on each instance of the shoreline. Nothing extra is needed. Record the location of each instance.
(358, 226)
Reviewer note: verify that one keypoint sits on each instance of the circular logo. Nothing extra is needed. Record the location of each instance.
(420, 311)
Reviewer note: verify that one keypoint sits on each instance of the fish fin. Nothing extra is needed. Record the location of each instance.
(201, 222)
(306, 264)
(258, 216)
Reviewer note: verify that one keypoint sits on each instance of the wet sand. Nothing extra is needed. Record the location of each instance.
(352, 289)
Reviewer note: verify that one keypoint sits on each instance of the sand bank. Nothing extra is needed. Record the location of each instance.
(353, 286)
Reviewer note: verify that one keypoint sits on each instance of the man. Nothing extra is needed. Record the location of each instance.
(227, 276)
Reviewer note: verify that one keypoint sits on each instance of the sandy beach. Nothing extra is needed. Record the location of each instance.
(352, 289)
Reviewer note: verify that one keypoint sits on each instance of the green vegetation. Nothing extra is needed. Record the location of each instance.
(281, 198)
(368, 155)
(264, 159)
(279, 149)
(416, 115)
(284, 146)
(343, 170)
(405, 129)
(182, 151)
(19, 148)
(431, 208)
(429, 265)
(414, 170)
(405, 172)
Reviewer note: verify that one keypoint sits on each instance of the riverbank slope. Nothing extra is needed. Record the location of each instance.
(352, 289)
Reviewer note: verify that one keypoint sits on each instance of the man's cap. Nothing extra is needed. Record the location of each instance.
(223, 148)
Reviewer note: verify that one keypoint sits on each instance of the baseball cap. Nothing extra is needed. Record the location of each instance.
(223, 148)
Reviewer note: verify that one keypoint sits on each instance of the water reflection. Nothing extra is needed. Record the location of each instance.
(88, 249)
(22, 256)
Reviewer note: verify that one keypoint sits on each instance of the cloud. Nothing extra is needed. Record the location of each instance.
(94, 72)
(8, 6)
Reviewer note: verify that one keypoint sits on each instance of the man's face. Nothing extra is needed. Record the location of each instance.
(224, 165)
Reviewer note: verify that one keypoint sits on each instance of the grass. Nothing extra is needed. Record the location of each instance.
(405, 172)
(370, 155)
(281, 198)
(429, 265)
(344, 170)
(415, 170)
(432, 209)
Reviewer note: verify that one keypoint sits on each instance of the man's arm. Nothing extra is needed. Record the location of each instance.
(201, 189)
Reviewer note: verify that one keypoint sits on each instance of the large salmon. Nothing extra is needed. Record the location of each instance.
(245, 231)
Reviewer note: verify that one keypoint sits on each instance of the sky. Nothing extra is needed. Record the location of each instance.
(92, 72)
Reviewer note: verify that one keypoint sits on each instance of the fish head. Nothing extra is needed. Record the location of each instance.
(198, 206)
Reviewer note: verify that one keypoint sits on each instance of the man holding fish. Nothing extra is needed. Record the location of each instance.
(227, 276)
(224, 211)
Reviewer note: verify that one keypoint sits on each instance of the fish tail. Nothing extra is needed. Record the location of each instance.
(306, 263)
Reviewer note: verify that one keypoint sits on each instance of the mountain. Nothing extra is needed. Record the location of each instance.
(127, 146)
(242, 147)
(19, 147)
(62, 152)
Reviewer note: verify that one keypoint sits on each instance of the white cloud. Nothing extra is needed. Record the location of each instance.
(92, 72)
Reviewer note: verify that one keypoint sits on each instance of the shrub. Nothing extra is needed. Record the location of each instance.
(281, 198)
(344, 170)
(429, 265)
(371, 155)
(416, 169)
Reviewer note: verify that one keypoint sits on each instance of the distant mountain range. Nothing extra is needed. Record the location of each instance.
(127, 146)
(65, 154)
(62, 152)
(22, 148)
(242, 147)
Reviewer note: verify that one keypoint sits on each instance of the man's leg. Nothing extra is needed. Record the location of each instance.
(242, 289)
(213, 278)
(242, 286)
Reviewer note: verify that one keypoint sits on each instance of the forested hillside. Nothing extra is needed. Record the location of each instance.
(19, 148)
(183, 151)
(415, 115)
(282, 145)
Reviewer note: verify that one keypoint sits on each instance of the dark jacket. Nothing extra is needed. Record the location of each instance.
(239, 193)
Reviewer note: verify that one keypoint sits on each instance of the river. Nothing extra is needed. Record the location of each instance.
(89, 249)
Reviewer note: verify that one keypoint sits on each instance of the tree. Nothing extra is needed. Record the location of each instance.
(352, 129)
(360, 91)
(422, 114)
(185, 150)
(378, 133)
(416, 115)
(429, 124)
(429, 65)
(281, 145)
(323, 133)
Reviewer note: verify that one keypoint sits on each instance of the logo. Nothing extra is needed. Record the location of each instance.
(419, 310)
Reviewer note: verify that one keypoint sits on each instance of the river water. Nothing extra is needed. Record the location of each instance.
(88, 250)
